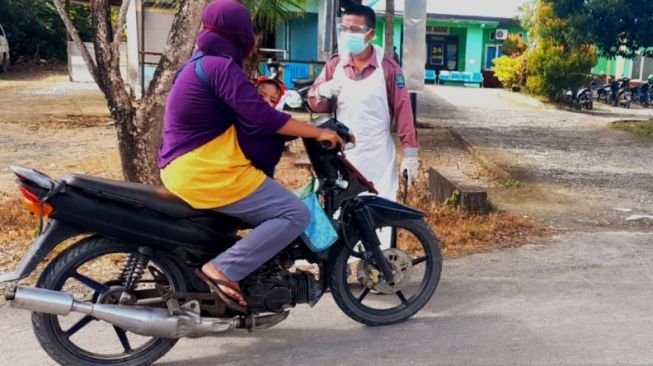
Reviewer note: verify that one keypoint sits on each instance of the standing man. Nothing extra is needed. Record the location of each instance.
(372, 98)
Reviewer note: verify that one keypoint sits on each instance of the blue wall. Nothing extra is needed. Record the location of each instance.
(303, 37)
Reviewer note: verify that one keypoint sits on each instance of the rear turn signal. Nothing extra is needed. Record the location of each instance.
(31, 203)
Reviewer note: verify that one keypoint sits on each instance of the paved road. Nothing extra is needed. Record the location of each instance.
(577, 170)
(583, 298)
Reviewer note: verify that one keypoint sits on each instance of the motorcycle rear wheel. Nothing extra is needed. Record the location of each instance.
(415, 241)
(89, 341)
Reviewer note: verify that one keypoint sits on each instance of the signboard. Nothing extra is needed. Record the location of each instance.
(437, 29)
(436, 54)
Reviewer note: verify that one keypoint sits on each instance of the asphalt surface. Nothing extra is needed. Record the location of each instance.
(582, 298)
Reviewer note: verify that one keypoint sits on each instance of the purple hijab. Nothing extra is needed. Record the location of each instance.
(196, 114)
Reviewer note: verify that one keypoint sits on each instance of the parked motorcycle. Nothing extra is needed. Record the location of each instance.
(581, 98)
(125, 292)
(603, 94)
(293, 97)
(620, 93)
(643, 94)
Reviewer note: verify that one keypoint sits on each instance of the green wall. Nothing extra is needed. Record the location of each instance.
(474, 49)
(628, 68)
(461, 33)
(473, 37)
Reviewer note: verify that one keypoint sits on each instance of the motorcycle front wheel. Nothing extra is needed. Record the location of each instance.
(359, 289)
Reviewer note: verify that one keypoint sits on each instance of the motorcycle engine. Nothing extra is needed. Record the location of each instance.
(265, 293)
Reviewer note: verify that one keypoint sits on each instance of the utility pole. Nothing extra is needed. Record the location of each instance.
(326, 29)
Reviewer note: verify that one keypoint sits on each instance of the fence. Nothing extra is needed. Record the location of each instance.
(295, 69)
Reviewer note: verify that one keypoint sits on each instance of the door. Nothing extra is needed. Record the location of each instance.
(442, 53)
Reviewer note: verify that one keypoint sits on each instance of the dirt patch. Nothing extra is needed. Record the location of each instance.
(24, 76)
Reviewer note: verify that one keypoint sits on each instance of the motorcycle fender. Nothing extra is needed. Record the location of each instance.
(383, 212)
(380, 212)
(54, 233)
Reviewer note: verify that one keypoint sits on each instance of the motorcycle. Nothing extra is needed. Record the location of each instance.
(643, 94)
(602, 93)
(579, 99)
(126, 292)
(293, 97)
(620, 93)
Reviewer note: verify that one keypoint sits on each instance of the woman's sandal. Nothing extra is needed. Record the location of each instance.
(214, 284)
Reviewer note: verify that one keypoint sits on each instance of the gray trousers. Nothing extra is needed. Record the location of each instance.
(279, 217)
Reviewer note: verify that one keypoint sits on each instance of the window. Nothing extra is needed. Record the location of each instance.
(647, 67)
(637, 66)
(642, 67)
(492, 51)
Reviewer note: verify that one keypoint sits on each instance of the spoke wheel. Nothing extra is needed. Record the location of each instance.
(91, 271)
(358, 285)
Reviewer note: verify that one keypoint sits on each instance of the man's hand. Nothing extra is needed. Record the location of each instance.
(411, 166)
(329, 89)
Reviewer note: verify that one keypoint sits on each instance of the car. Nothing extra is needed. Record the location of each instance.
(4, 51)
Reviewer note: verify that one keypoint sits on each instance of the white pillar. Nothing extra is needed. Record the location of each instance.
(133, 49)
(414, 44)
(326, 17)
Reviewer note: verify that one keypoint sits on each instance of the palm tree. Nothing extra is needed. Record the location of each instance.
(267, 15)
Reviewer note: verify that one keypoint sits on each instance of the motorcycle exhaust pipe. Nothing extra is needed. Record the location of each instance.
(143, 320)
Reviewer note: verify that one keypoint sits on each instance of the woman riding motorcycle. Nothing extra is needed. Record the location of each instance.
(214, 120)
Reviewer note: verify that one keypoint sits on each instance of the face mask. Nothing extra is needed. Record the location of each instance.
(353, 42)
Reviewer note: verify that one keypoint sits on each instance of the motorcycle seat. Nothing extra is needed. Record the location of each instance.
(300, 83)
(154, 198)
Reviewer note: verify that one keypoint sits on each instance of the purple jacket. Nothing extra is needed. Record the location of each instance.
(193, 116)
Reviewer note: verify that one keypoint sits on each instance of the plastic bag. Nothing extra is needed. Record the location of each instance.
(320, 233)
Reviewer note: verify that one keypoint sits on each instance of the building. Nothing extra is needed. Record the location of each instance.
(463, 35)
(637, 68)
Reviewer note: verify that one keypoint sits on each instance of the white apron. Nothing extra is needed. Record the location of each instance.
(363, 107)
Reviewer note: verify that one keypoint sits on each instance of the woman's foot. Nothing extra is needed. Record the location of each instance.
(226, 285)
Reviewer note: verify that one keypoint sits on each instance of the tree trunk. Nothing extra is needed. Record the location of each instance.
(138, 129)
(149, 116)
(389, 28)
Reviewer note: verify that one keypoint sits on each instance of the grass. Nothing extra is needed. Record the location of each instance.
(641, 128)
(25, 76)
(511, 183)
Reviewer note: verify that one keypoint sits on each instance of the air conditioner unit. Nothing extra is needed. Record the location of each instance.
(501, 34)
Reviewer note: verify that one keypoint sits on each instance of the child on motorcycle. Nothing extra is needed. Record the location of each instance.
(272, 92)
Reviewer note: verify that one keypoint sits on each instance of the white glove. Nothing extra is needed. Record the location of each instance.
(410, 164)
(329, 89)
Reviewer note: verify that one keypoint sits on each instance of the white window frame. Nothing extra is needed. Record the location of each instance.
(640, 76)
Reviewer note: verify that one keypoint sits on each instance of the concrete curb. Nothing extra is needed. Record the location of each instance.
(482, 158)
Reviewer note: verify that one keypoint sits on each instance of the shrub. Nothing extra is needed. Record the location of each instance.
(512, 72)
(555, 67)
(557, 62)
(514, 46)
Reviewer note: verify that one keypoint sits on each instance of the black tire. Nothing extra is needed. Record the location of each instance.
(373, 317)
(48, 329)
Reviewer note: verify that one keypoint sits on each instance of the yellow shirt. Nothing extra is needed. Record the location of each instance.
(215, 174)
